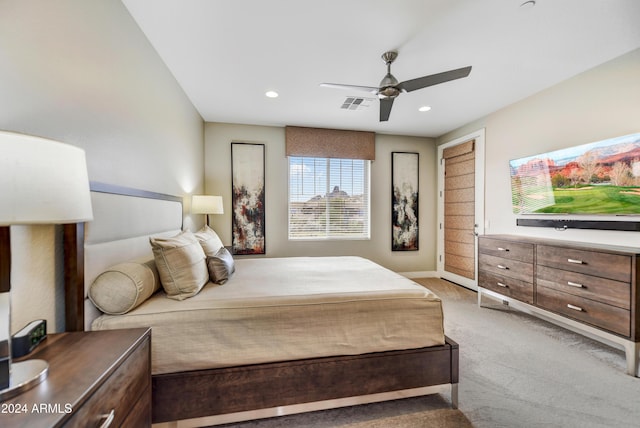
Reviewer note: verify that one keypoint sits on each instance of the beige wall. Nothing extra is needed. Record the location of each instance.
(598, 104)
(218, 138)
(82, 72)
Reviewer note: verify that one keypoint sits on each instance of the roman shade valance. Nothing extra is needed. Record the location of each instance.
(329, 143)
(459, 150)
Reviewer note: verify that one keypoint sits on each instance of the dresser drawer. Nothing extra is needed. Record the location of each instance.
(605, 265)
(506, 267)
(507, 249)
(119, 394)
(602, 290)
(604, 316)
(510, 287)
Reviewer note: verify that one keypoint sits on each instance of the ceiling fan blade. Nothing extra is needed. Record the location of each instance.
(371, 89)
(434, 79)
(385, 108)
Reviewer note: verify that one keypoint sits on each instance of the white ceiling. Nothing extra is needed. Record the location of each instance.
(227, 53)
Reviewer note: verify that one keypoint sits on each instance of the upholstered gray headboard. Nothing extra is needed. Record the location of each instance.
(123, 220)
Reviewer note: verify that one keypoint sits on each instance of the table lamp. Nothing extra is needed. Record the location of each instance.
(205, 204)
(41, 182)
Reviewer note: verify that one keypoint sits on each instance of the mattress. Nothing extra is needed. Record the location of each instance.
(280, 309)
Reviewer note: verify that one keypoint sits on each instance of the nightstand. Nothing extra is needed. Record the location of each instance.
(95, 378)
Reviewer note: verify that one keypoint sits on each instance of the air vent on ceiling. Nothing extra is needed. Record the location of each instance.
(356, 103)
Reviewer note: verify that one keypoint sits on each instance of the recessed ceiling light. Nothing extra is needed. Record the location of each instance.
(528, 4)
(424, 108)
(271, 94)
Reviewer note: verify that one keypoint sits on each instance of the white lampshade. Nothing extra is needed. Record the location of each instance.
(205, 204)
(42, 181)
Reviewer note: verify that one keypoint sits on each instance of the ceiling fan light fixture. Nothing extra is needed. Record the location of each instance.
(271, 94)
(389, 92)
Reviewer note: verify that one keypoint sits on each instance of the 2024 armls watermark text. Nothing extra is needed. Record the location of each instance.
(48, 408)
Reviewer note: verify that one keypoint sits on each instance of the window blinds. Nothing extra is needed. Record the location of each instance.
(328, 198)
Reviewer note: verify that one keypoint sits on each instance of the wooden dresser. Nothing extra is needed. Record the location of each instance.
(96, 379)
(589, 288)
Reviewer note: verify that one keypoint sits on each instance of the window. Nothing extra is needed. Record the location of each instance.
(328, 198)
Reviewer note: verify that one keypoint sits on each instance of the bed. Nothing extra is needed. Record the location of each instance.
(282, 336)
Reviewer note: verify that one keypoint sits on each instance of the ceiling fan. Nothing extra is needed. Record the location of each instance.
(390, 88)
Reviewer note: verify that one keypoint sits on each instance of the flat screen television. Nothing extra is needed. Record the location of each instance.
(599, 178)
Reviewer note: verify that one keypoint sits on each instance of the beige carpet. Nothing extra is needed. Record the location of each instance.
(431, 411)
(515, 371)
(438, 418)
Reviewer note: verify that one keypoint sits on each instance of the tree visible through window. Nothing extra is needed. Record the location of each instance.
(328, 198)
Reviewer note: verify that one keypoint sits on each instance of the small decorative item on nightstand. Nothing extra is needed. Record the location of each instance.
(28, 338)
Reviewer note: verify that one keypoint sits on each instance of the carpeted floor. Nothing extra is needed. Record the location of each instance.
(515, 371)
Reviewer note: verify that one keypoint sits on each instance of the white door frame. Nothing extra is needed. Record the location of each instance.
(478, 136)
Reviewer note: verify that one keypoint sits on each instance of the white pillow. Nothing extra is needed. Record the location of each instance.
(181, 264)
(209, 240)
(124, 287)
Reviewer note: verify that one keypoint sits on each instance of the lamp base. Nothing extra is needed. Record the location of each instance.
(25, 375)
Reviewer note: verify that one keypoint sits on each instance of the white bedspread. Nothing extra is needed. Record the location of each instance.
(277, 309)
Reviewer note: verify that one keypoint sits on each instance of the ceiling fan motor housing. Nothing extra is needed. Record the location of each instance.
(388, 85)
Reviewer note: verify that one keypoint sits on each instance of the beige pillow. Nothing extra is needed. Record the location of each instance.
(181, 264)
(209, 240)
(221, 266)
(124, 286)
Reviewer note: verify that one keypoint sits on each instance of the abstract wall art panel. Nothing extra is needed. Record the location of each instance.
(248, 202)
(404, 201)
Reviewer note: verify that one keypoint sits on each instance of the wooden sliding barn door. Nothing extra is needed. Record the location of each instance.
(458, 213)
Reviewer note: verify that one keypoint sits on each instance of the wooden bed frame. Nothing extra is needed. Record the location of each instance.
(223, 395)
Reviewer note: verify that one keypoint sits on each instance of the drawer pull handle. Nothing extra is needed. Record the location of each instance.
(502, 285)
(502, 249)
(502, 267)
(575, 308)
(108, 419)
(575, 284)
(577, 262)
